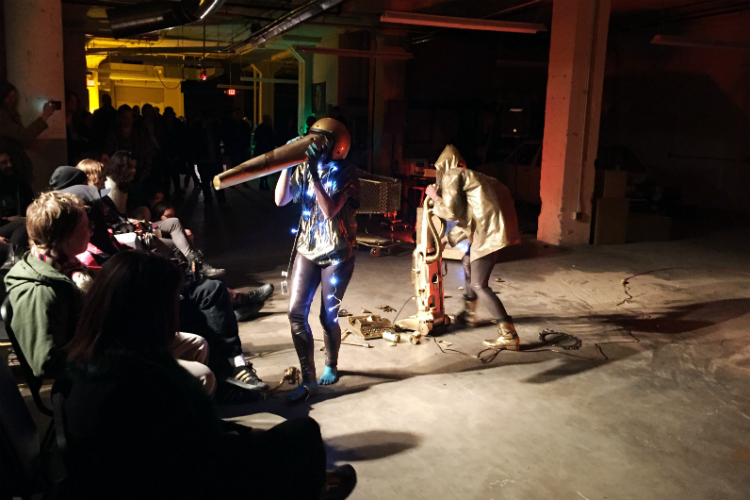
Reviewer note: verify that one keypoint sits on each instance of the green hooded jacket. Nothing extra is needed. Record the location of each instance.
(46, 305)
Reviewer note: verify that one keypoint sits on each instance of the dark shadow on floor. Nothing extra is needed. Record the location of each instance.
(674, 321)
(370, 445)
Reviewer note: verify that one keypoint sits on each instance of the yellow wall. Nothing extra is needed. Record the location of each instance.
(136, 85)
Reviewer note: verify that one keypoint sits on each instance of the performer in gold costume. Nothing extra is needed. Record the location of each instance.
(486, 216)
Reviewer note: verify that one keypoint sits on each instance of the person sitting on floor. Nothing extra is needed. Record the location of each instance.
(138, 427)
(121, 173)
(165, 218)
(47, 284)
(96, 172)
(209, 308)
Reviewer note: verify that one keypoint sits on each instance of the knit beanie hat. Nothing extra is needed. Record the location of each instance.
(64, 177)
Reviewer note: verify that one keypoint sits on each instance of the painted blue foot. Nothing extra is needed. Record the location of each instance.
(301, 393)
(330, 376)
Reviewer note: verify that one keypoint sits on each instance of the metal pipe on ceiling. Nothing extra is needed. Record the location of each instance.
(460, 22)
(144, 18)
(697, 43)
(284, 24)
(371, 54)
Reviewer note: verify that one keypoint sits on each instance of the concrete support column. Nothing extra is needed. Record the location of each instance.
(571, 132)
(34, 51)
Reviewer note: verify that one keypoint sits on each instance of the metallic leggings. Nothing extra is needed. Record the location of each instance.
(477, 275)
(306, 276)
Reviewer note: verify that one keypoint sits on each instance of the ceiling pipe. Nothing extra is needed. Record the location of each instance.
(368, 54)
(459, 22)
(144, 18)
(284, 24)
(698, 43)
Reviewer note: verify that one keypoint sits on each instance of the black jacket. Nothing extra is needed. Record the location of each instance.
(140, 427)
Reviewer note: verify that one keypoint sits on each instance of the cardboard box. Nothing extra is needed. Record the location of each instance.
(648, 227)
(611, 184)
(611, 221)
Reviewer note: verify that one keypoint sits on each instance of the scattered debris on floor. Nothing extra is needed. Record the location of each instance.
(386, 308)
(372, 326)
(560, 339)
(292, 375)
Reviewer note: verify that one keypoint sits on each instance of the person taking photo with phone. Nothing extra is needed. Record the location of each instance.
(14, 137)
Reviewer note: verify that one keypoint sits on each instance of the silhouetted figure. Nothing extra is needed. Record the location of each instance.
(336, 115)
(15, 136)
(265, 141)
(105, 122)
(309, 122)
(205, 139)
(238, 135)
(173, 151)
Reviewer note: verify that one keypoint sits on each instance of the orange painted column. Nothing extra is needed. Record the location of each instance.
(571, 132)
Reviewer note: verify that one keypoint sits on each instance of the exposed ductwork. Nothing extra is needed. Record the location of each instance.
(152, 16)
(284, 24)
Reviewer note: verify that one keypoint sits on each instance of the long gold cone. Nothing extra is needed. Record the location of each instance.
(280, 158)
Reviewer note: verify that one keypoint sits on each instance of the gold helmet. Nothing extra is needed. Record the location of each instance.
(337, 133)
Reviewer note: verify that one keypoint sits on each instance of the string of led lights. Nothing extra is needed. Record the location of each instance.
(329, 186)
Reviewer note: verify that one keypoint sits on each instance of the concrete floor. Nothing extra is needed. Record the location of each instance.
(655, 404)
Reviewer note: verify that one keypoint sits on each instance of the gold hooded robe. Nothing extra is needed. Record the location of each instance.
(482, 206)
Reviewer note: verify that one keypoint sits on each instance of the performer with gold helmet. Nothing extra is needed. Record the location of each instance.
(327, 187)
(486, 216)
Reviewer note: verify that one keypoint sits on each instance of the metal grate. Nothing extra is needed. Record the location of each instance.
(379, 195)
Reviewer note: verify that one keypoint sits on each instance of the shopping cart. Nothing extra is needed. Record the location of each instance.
(378, 195)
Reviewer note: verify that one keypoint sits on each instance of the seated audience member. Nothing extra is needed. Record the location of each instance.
(14, 198)
(137, 425)
(165, 218)
(209, 308)
(180, 240)
(46, 287)
(96, 173)
(73, 181)
(121, 173)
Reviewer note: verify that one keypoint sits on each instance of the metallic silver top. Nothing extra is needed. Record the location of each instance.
(319, 240)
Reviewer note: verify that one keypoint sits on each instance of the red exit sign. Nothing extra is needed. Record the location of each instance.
(232, 91)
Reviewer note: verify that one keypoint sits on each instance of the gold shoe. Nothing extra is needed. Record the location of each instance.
(468, 316)
(507, 338)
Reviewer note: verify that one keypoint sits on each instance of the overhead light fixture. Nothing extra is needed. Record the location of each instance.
(144, 18)
(459, 22)
(697, 43)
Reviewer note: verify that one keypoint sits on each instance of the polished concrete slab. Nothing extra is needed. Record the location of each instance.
(655, 404)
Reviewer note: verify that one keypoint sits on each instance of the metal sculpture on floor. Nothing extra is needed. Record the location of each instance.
(427, 277)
